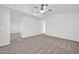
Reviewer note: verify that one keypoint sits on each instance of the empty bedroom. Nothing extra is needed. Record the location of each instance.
(39, 28)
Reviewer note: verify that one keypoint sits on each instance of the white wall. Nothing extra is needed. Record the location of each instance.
(4, 26)
(44, 26)
(63, 26)
(25, 24)
(16, 19)
(31, 26)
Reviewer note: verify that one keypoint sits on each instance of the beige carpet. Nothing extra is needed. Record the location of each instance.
(40, 44)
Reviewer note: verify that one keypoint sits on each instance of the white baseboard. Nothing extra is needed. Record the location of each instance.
(63, 37)
(4, 43)
(31, 35)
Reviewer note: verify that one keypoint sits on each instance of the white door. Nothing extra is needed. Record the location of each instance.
(4, 26)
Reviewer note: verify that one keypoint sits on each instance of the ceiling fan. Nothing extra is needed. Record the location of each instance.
(43, 8)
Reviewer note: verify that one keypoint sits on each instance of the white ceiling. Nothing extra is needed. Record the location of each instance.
(56, 8)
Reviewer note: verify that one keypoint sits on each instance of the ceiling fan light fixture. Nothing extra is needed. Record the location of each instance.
(43, 9)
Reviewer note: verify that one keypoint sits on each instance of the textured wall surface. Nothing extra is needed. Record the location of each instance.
(63, 26)
(4, 26)
(31, 26)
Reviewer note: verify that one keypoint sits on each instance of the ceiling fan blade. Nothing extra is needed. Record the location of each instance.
(50, 9)
(35, 7)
